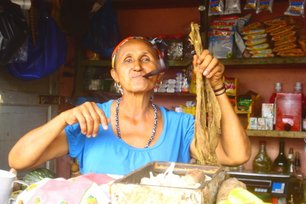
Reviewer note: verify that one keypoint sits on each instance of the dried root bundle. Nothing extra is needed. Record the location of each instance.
(208, 113)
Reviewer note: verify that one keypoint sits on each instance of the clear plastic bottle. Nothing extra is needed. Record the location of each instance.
(262, 162)
(278, 88)
(298, 88)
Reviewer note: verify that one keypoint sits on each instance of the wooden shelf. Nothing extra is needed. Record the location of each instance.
(276, 134)
(149, 4)
(263, 61)
(238, 61)
(107, 63)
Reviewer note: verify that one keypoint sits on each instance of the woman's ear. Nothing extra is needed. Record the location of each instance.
(114, 74)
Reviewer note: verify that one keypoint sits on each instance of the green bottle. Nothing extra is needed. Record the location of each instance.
(281, 163)
(262, 162)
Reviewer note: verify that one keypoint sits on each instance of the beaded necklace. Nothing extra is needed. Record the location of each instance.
(154, 125)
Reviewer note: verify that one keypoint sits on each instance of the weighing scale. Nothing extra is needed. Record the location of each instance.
(272, 187)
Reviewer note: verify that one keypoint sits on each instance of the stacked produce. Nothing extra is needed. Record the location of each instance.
(283, 33)
(256, 40)
(280, 36)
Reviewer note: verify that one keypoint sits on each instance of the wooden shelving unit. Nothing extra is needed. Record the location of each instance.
(264, 61)
(276, 134)
(237, 61)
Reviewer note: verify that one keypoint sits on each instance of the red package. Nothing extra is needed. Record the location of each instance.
(288, 111)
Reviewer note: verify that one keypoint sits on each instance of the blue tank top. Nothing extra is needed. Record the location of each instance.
(108, 154)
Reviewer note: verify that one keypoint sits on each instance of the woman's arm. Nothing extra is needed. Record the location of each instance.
(234, 145)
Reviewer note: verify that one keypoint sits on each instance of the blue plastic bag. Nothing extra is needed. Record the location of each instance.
(47, 54)
(103, 33)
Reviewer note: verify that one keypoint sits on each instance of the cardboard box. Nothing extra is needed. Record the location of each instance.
(288, 111)
(261, 124)
(269, 123)
(253, 123)
(267, 110)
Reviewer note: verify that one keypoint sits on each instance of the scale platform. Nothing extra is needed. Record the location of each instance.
(271, 186)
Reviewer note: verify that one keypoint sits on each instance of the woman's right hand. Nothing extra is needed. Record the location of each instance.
(89, 116)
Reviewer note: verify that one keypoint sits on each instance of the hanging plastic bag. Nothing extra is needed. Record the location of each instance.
(47, 53)
(264, 5)
(103, 33)
(296, 8)
(250, 4)
(232, 6)
(13, 30)
(216, 7)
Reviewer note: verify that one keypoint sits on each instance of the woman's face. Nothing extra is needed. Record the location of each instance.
(134, 59)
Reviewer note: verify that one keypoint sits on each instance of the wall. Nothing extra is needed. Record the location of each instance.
(152, 22)
(20, 110)
(261, 79)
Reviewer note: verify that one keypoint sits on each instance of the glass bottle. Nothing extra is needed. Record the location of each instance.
(297, 165)
(291, 161)
(262, 162)
(281, 164)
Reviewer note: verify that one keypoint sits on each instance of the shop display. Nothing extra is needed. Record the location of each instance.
(256, 40)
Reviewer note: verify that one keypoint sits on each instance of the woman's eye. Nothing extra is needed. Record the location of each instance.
(128, 60)
(145, 59)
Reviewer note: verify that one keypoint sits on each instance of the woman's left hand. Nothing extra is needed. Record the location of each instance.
(211, 68)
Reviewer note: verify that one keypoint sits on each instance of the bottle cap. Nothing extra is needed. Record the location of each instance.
(278, 86)
(298, 86)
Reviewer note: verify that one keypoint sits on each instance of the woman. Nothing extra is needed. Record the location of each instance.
(122, 135)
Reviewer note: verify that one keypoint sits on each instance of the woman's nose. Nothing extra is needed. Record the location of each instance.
(137, 65)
